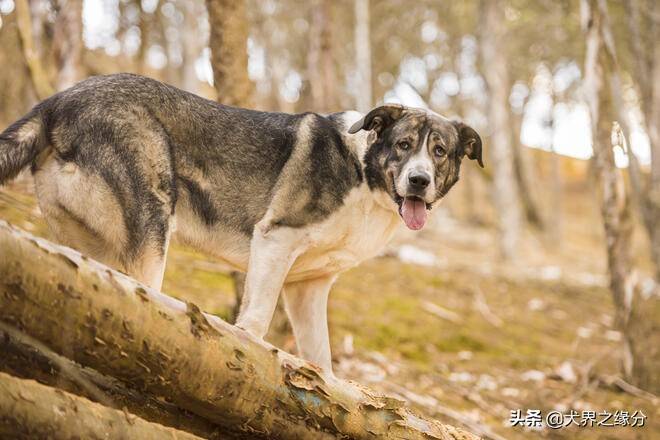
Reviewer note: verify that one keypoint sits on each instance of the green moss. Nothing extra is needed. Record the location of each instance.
(460, 342)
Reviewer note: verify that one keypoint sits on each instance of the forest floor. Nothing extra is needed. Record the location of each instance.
(440, 322)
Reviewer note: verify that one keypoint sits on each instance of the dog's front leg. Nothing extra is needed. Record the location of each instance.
(272, 252)
(306, 304)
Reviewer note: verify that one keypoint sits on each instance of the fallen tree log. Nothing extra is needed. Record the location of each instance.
(169, 349)
(26, 358)
(30, 410)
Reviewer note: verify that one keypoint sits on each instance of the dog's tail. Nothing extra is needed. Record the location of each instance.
(20, 144)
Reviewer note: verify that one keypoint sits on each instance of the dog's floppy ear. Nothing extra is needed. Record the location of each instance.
(378, 118)
(470, 142)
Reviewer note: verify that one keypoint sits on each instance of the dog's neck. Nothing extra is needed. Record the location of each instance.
(371, 180)
(359, 144)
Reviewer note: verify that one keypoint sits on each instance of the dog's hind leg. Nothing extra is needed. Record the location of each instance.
(306, 304)
(91, 224)
(149, 266)
(131, 238)
(117, 210)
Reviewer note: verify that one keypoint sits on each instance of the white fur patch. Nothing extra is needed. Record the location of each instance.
(359, 230)
(421, 161)
(358, 142)
(28, 132)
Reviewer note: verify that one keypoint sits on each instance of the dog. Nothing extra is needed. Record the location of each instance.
(120, 162)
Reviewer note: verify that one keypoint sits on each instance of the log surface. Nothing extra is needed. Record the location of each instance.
(109, 322)
(25, 358)
(30, 410)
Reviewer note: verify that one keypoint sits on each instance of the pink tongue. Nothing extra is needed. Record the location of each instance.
(413, 212)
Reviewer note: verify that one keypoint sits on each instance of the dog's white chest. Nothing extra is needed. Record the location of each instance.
(356, 232)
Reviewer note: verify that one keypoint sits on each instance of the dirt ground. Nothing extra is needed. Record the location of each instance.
(440, 322)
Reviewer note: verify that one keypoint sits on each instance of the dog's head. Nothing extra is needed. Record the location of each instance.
(416, 156)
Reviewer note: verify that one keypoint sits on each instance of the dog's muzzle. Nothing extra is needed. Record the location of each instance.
(413, 206)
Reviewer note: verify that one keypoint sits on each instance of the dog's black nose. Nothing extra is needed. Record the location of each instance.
(419, 179)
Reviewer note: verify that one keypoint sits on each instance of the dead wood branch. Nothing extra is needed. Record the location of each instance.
(618, 382)
(482, 307)
(441, 312)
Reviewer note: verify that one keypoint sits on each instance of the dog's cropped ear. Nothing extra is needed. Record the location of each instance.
(470, 142)
(378, 119)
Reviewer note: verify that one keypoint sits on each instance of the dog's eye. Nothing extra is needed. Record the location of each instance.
(439, 151)
(403, 145)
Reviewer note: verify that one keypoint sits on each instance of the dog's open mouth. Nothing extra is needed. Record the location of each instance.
(412, 210)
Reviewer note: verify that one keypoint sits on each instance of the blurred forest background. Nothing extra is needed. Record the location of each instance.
(536, 285)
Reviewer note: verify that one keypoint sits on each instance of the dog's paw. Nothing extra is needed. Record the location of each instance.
(252, 330)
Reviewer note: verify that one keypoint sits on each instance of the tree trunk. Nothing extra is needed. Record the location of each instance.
(190, 43)
(38, 74)
(555, 219)
(67, 43)
(30, 410)
(364, 99)
(16, 91)
(27, 358)
(522, 171)
(646, 73)
(152, 342)
(228, 42)
(637, 328)
(320, 65)
(555, 216)
(653, 198)
(145, 25)
(505, 192)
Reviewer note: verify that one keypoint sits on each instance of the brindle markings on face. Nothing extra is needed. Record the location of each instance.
(407, 129)
(424, 131)
(443, 137)
(419, 160)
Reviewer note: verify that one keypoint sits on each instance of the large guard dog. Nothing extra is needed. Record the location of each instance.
(121, 161)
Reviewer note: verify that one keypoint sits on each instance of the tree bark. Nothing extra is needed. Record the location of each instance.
(16, 90)
(505, 191)
(637, 328)
(522, 171)
(38, 74)
(364, 99)
(152, 342)
(320, 65)
(228, 41)
(30, 410)
(191, 43)
(646, 74)
(67, 43)
(26, 358)
(145, 25)
(554, 216)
